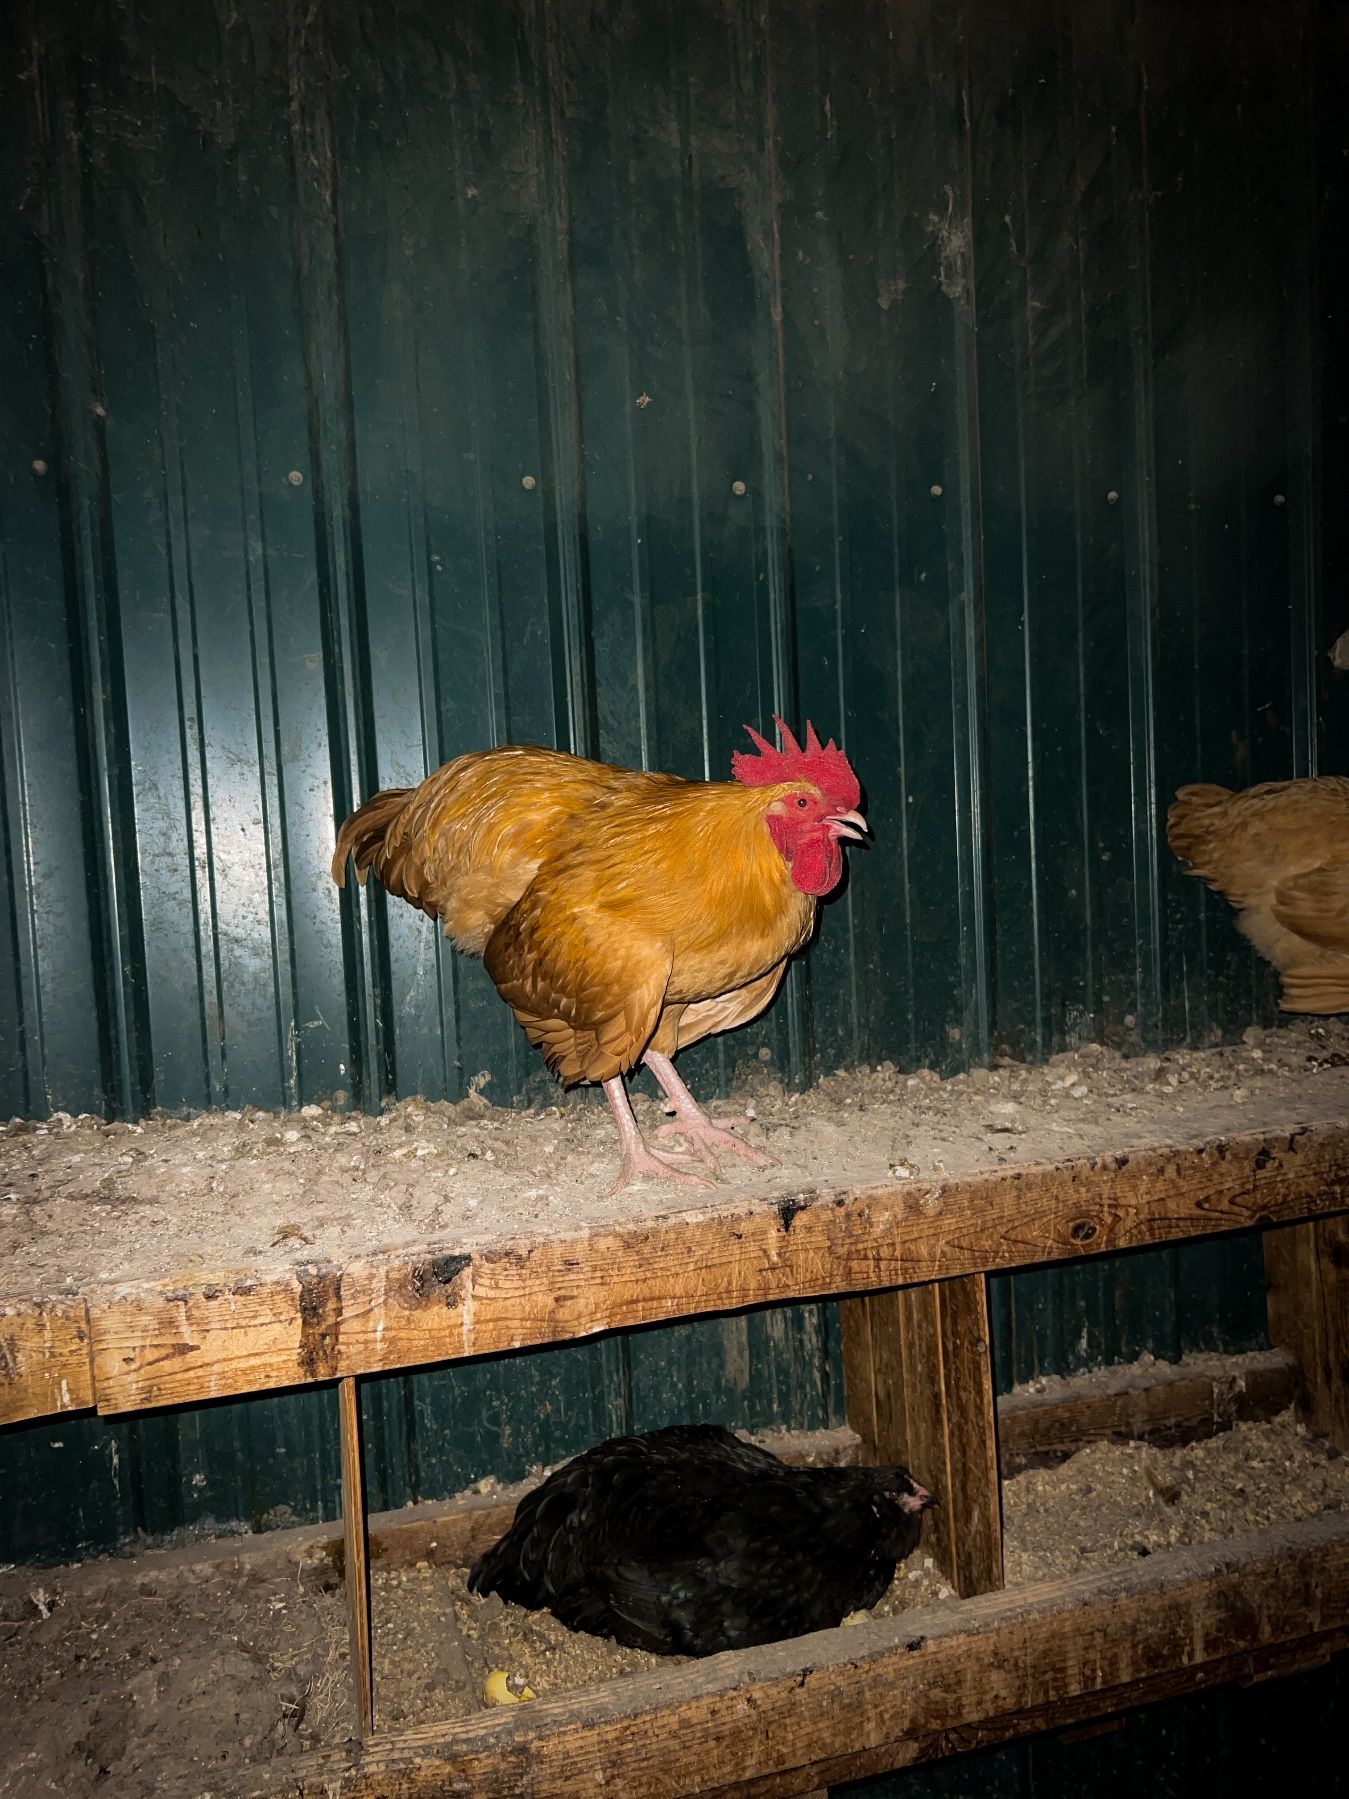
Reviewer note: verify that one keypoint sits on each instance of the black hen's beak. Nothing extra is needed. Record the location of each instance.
(917, 1499)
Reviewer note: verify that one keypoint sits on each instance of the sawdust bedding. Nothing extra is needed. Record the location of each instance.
(83, 1201)
(124, 1678)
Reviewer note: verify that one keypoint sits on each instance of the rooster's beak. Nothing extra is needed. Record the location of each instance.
(848, 824)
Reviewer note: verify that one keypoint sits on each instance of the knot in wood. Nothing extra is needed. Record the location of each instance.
(427, 1279)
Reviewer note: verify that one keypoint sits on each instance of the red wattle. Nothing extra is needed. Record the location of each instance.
(817, 866)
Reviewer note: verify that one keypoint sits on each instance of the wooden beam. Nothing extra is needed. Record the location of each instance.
(855, 1699)
(170, 1342)
(1307, 1272)
(356, 1551)
(45, 1367)
(1157, 1403)
(1077, 1716)
(918, 1381)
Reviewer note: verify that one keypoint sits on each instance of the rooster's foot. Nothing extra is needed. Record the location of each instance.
(660, 1165)
(707, 1138)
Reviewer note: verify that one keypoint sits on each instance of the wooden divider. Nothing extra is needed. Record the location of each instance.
(793, 1716)
(1307, 1271)
(919, 1391)
(356, 1550)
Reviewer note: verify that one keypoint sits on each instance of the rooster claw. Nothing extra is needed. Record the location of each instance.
(660, 1165)
(706, 1138)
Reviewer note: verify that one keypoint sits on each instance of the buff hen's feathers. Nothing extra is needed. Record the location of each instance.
(1280, 853)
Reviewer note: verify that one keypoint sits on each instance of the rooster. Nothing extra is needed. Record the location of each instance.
(688, 1541)
(1280, 853)
(621, 915)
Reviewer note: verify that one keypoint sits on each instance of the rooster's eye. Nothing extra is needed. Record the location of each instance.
(802, 802)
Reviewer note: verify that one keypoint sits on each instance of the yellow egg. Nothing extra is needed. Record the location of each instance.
(497, 1690)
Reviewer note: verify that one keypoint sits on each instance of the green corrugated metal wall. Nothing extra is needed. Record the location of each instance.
(380, 381)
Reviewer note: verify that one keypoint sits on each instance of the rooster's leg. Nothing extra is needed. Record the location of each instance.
(692, 1122)
(638, 1156)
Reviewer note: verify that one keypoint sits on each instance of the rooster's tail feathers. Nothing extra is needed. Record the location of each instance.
(364, 834)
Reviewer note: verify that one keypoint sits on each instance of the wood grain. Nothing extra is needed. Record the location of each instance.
(162, 1343)
(356, 1555)
(45, 1366)
(924, 1383)
(856, 1699)
(1172, 1404)
(1077, 1716)
(1307, 1271)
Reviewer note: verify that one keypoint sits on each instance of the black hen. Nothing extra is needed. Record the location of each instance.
(687, 1541)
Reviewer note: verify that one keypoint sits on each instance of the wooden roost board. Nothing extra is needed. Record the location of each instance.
(129, 1343)
(791, 1718)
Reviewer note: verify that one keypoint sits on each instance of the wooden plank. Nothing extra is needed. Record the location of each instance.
(854, 1698)
(45, 1366)
(356, 1551)
(1070, 1718)
(1157, 1403)
(164, 1343)
(859, 1370)
(921, 1359)
(1307, 1271)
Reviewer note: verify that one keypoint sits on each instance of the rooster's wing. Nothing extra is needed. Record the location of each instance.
(587, 991)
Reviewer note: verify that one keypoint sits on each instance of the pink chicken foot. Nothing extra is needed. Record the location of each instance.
(639, 1157)
(692, 1123)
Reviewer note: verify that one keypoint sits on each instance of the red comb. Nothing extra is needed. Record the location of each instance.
(822, 764)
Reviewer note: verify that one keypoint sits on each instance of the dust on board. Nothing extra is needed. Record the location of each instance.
(84, 1201)
(128, 1674)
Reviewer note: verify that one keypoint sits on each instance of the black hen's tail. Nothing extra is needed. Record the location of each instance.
(498, 1570)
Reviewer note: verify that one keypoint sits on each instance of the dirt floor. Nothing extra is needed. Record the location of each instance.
(82, 1201)
(125, 1678)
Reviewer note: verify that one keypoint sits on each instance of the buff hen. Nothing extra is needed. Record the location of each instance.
(1280, 853)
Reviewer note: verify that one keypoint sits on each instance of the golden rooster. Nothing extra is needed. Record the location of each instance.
(622, 916)
(1280, 853)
